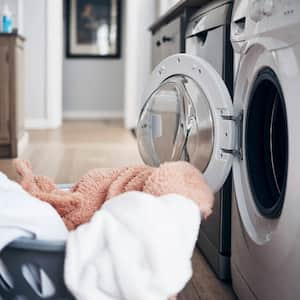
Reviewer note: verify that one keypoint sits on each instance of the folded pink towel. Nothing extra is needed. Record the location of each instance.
(78, 205)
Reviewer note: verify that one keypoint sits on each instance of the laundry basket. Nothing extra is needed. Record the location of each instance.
(33, 270)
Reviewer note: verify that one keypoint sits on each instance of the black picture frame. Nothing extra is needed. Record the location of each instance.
(69, 30)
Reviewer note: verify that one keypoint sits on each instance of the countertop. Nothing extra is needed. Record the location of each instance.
(176, 10)
(13, 34)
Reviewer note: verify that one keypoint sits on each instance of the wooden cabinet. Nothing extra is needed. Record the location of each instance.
(167, 40)
(11, 94)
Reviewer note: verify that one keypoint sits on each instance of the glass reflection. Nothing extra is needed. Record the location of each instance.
(176, 124)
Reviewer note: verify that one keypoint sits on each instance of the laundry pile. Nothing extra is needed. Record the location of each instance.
(137, 246)
(79, 204)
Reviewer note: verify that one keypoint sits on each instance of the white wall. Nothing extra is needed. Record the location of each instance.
(42, 26)
(140, 15)
(94, 88)
(30, 20)
(54, 62)
(34, 16)
(163, 6)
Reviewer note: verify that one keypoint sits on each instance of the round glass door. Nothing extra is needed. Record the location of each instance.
(187, 115)
(176, 124)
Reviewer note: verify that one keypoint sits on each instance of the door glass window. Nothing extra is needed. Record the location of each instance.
(266, 144)
(176, 124)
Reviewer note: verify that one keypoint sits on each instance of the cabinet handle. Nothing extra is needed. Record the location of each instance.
(7, 57)
(202, 36)
(166, 39)
(158, 43)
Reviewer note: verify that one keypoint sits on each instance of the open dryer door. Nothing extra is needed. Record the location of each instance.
(188, 115)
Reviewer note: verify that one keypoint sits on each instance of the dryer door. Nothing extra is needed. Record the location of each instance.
(188, 115)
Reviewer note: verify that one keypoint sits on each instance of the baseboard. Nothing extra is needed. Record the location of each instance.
(74, 115)
(92, 115)
(23, 143)
(40, 124)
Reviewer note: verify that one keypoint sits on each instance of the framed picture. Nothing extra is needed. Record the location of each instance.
(93, 28)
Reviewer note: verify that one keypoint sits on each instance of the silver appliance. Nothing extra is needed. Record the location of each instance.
(208, 37)
(265, 260)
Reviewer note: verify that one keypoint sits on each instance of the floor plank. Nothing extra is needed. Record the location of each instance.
(67, 153)
(189, 292)
(206, 282)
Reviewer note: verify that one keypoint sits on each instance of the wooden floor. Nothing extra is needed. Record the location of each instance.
(67, 153)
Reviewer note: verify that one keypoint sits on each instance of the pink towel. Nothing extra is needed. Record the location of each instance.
(78, 205)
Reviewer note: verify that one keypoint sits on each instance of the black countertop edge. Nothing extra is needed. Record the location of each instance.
(13, 34)
(176, 10)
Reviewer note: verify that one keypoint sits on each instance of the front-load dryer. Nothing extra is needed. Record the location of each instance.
(189, 115)
(265, 220)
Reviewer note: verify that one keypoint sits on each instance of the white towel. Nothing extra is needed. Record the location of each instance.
(22, 215)
(137, 247)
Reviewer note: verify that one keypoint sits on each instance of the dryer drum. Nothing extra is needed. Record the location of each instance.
(266, 143)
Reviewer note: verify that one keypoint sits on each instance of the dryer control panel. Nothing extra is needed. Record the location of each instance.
(260, 10)
(276, 19)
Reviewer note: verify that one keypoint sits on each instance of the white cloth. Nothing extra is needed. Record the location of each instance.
(137, 247)
(22, 215)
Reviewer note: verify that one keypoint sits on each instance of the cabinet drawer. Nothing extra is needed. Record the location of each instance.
(171, 38)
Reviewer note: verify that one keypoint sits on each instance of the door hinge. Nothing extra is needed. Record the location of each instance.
(238, 120)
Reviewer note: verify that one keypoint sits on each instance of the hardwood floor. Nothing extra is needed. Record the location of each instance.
(67, 153)
(204, 285)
